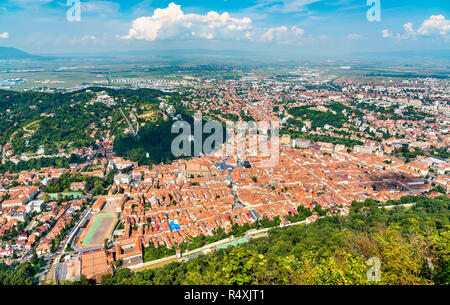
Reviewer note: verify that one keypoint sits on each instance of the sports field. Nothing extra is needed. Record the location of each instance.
(98, 229)
(72, 195)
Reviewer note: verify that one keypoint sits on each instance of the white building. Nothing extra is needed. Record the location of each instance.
(34, 206)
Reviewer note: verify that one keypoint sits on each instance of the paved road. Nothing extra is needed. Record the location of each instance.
(62, 249)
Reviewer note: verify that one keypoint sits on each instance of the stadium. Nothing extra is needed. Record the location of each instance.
(98, 229)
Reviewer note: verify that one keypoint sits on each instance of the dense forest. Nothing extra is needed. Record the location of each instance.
(54, 121)
(413, 246)
(71, 121)
(154, 139)
(22, 110)
(96, 184)
(152, 145)
(22, 274)
(17, 109)
(57, 162)
(333, 117)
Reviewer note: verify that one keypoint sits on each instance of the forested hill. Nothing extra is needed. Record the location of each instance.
(29, 120)
(413, 246)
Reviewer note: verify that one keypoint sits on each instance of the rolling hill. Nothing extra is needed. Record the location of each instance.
(10, 53)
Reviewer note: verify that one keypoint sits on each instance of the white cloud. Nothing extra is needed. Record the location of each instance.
(354, 36)
(172, 23)
(408, 32)
(386, 33)
(270, 34)
(408, 27)
(435, 25)
(85, 39)
(297, 31)
(4, 35)
(282, 34)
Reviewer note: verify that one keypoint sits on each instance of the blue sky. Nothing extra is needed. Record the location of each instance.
(303, 26)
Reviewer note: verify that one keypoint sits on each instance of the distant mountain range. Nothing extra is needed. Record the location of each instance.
(10, 53)
(163, 53)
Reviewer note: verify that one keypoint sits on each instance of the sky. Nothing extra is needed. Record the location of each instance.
(274, 26)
